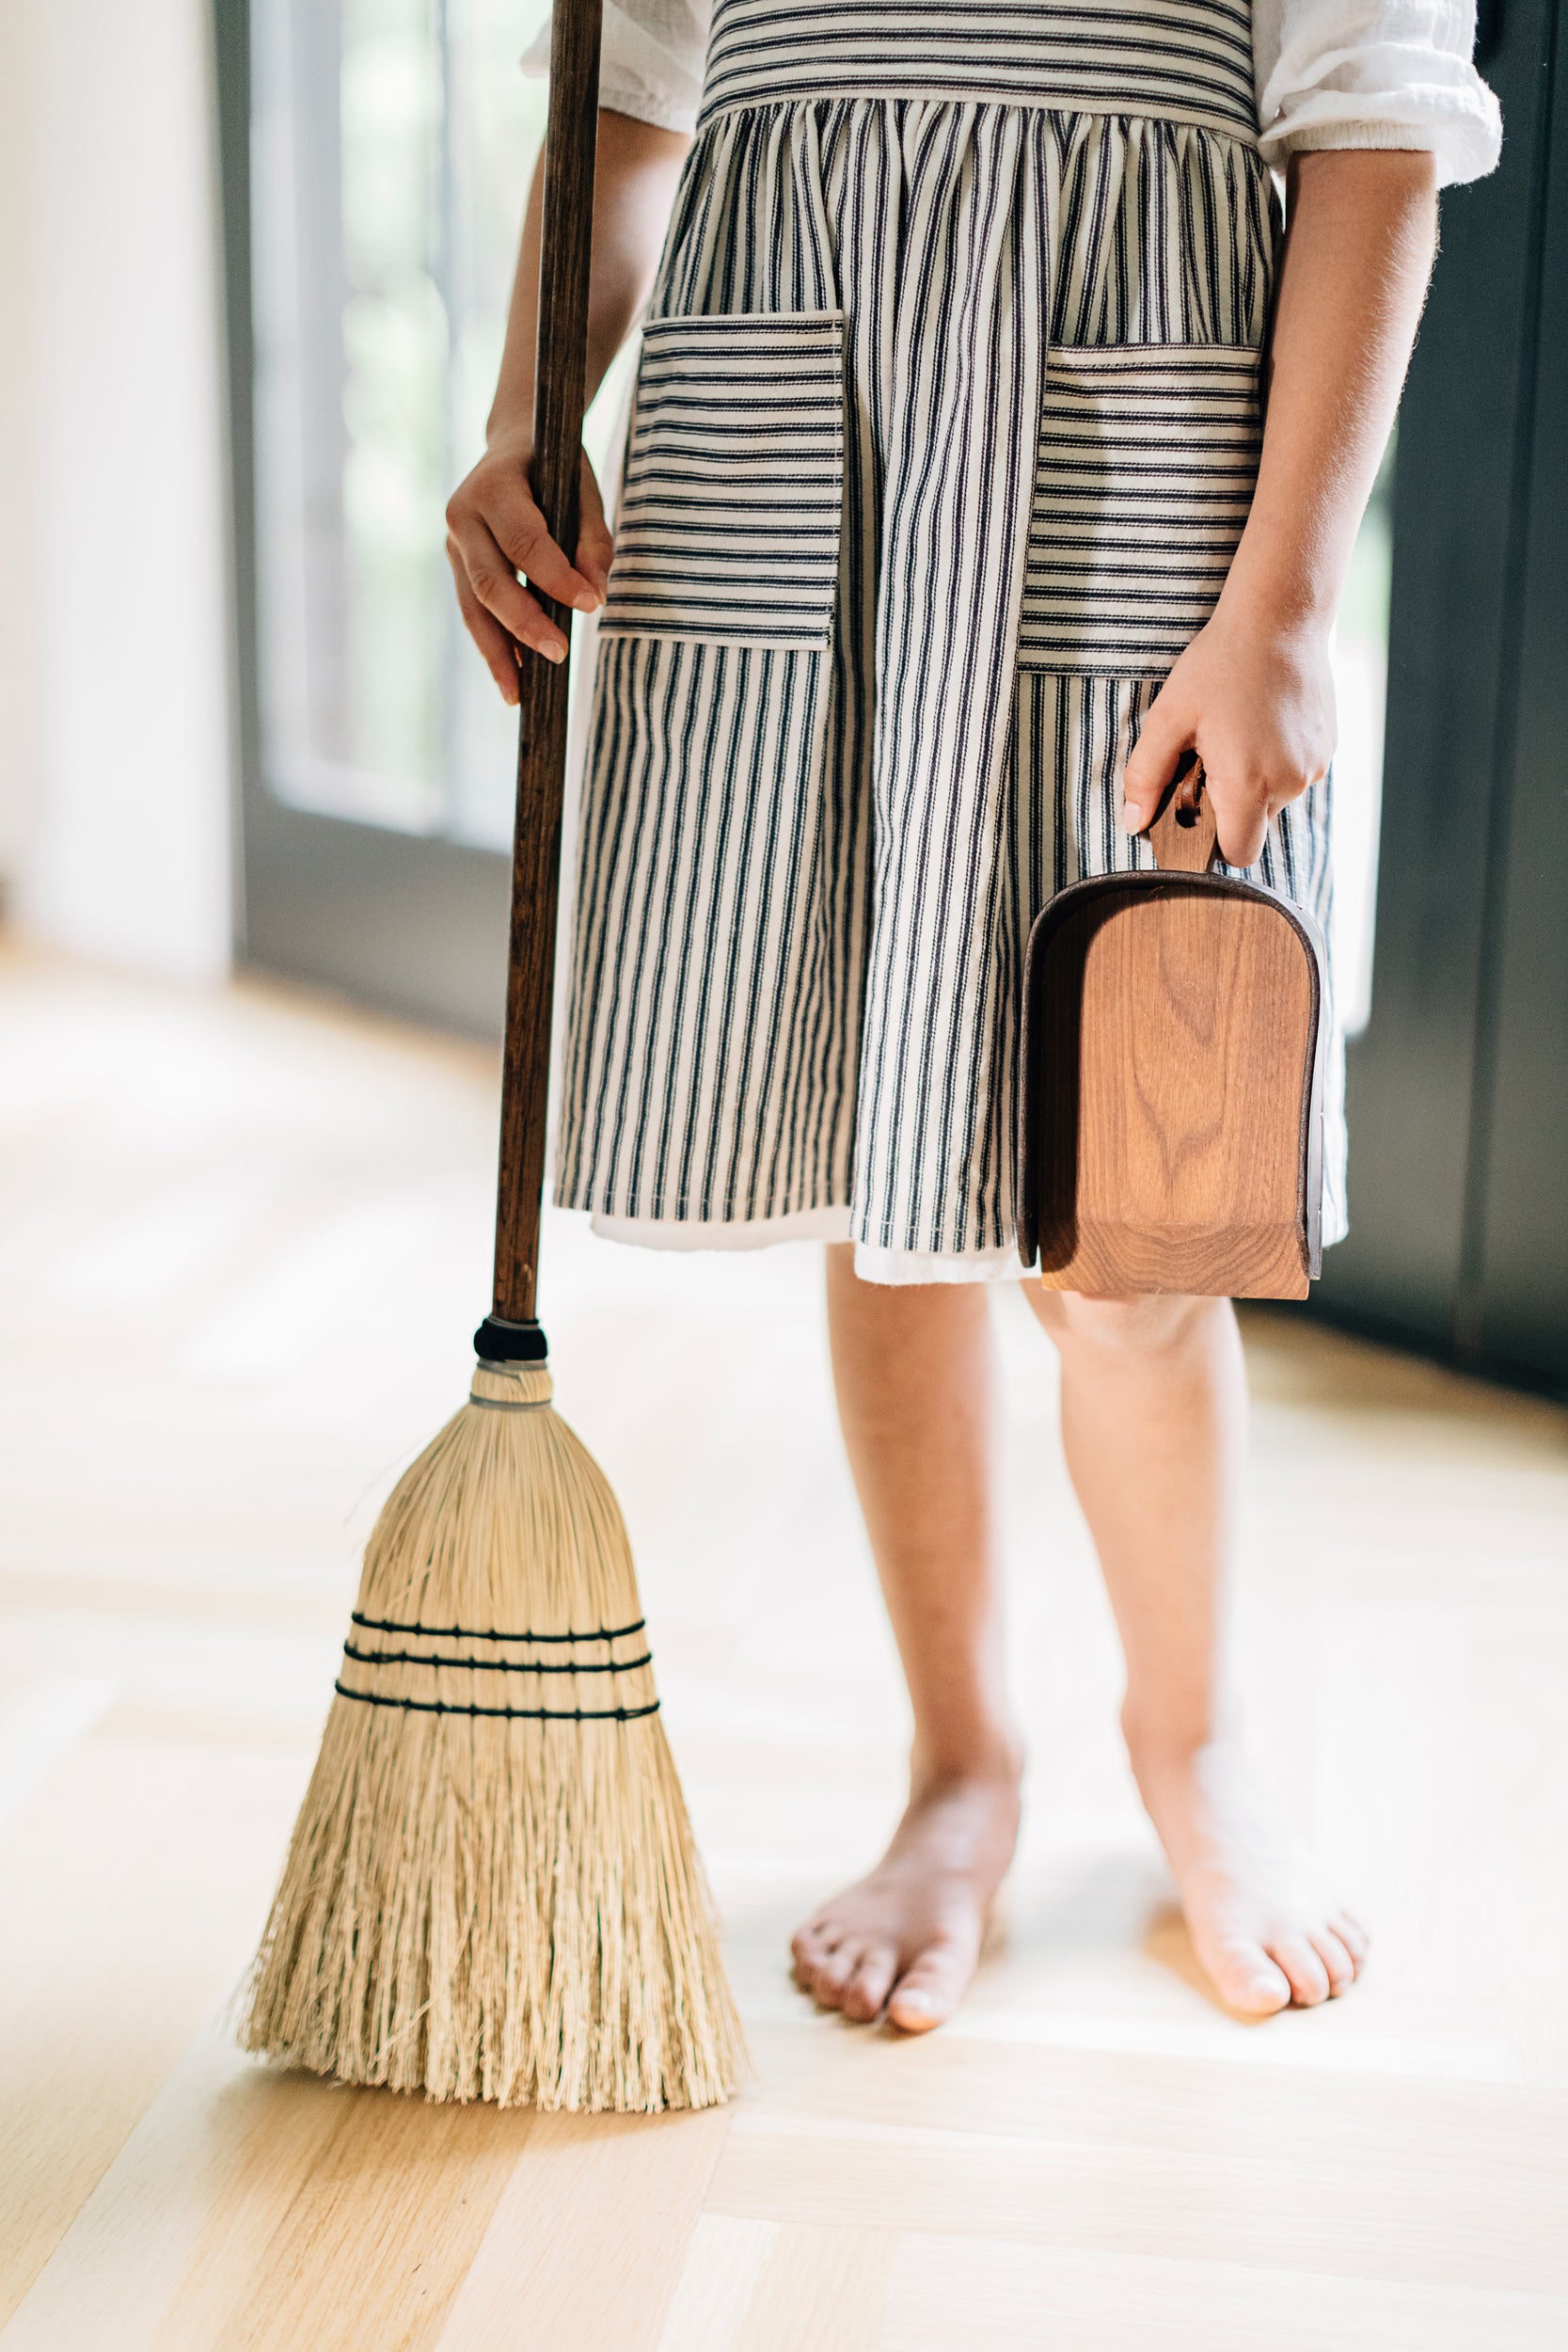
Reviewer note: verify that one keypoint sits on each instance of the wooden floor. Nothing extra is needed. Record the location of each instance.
(244, 1242)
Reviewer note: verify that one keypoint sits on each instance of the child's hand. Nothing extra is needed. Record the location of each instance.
(1256, 702)
(494, 531)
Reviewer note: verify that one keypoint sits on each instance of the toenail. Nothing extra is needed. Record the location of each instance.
(920, 2002)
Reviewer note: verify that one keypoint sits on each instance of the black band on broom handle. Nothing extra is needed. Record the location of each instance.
(543, 696)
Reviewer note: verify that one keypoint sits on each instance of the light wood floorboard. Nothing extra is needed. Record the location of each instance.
(244, 1239)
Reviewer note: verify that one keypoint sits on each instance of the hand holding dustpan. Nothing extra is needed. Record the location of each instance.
(1171, 1077)
(491, 1891)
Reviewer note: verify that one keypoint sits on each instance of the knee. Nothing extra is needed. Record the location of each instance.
(1122, 1326)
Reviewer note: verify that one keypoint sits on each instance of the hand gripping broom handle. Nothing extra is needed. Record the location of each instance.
(510, 1333)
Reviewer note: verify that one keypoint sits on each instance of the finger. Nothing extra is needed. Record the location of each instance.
(1151, 764)
(1240, 827)
(518, 529)
(595, 548)
(498, 646)
(497, 587)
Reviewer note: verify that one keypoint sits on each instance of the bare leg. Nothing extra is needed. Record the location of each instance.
(916, 1375)
(1154, 1410)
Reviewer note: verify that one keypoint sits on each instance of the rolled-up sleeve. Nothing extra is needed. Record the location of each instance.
(650, 59)
(1375, 73)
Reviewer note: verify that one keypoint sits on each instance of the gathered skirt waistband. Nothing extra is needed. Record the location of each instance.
(1177, 61)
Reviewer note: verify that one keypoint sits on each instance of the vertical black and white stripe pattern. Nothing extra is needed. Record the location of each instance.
(728, 522)
(706, 1028)
(1147, 456)
(807, 870)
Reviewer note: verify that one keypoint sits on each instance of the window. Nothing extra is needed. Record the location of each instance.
(393, 141)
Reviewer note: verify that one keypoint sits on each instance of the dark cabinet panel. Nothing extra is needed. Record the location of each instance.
(1455, 1128)
(1515, 1308)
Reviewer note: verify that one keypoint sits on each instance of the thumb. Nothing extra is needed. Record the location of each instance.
(1152, 763)
(595, 548)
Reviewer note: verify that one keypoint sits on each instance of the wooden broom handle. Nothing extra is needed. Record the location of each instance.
(1181, 830)
(545, 696)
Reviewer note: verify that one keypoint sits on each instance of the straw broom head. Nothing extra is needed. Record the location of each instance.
(492, 1890)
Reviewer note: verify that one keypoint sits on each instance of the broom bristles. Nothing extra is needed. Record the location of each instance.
(492, 1890)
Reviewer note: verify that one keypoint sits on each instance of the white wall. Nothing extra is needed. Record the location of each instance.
(115, 678)
(19, 636)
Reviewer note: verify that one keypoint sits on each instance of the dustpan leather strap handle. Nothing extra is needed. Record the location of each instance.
(566, 235)
(1181, 830)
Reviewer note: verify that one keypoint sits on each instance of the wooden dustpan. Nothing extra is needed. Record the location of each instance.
(1170, 1117)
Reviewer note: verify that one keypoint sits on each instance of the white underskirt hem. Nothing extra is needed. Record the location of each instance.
(930, 1266)
(890, 1266)
(717, 1232)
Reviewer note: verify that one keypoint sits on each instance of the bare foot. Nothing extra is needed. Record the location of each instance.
(1259, 1922)
(906, 1939)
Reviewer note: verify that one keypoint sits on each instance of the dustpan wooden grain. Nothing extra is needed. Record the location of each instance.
(1170, 1103)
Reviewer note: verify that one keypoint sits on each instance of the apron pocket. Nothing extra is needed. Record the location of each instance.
(729, 517)
(1147, 456)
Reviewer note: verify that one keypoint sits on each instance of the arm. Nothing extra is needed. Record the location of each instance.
(1253, 693)
(494, 530)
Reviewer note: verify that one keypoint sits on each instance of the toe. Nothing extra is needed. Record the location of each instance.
(813, 1958)
(830, 1977)
(868, 1988)
(803, 1956)
(1309, 1977)
(931, 1989)
(1248, 1981)
(1336, 1959)
(806, 1944)
(1353, 1935)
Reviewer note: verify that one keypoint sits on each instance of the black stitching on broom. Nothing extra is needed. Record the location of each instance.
(499, 1666)
(525, 1714)
(476, 1634)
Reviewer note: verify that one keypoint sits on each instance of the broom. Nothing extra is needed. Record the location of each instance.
(492, 1890)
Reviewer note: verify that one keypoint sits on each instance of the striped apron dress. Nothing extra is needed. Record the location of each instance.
(944, 430)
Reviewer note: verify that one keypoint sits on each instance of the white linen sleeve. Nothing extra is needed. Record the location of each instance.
(650, 59)
(1374, 73)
